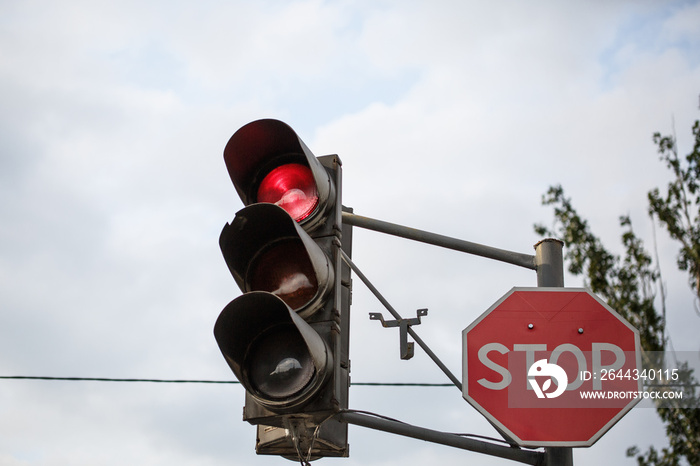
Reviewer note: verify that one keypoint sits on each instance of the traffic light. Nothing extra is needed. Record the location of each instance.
(286, 337)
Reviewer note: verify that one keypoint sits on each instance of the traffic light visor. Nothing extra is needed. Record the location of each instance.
(268, 162)
(278, 357)
(266, 250)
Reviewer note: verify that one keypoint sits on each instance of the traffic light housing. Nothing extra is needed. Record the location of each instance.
(286, 337)
(268, 162)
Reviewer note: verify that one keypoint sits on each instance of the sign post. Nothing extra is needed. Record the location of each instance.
(550, 273)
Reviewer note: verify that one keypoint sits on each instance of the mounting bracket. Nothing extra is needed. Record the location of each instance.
(406, 347)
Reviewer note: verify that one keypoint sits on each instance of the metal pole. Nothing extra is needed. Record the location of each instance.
(443, 438)
(396, 315)
(515, 258)
(549, 262)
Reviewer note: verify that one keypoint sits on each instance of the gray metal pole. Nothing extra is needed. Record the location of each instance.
(396, 315)
(453, 440)
(549, 263)
(510, 257)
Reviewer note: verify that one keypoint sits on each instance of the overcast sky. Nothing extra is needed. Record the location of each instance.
(449, 116)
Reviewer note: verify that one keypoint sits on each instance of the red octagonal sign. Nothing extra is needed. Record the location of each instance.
(551, 366)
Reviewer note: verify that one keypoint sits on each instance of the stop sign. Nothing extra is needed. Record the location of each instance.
(551, 366)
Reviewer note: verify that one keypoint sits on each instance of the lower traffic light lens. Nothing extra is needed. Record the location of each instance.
(279, 364)
(285, 270)
(292, 187)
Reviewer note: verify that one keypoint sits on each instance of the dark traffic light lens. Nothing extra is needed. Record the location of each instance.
(291, 187)
(279, 364)
(284, 269)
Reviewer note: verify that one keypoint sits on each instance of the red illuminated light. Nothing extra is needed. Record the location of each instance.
(292, 187)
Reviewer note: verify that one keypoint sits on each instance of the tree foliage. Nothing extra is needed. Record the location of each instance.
(630, 282)
(627, 283)
(679, 209)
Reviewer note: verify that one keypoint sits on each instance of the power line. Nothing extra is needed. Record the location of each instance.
(359, 384)
(105, 379)
(401, 384)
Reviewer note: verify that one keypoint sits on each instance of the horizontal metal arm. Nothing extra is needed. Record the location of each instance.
(453, 440)
(515, 258)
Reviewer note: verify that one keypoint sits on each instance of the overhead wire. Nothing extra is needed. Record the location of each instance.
(113, 379)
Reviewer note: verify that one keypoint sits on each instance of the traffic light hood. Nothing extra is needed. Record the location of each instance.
(279, 358)
(261, 146)
(264, 238)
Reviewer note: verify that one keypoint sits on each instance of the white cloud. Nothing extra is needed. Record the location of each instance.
(449, 116)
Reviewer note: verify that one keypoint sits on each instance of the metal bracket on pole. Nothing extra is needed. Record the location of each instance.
(407, 347)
